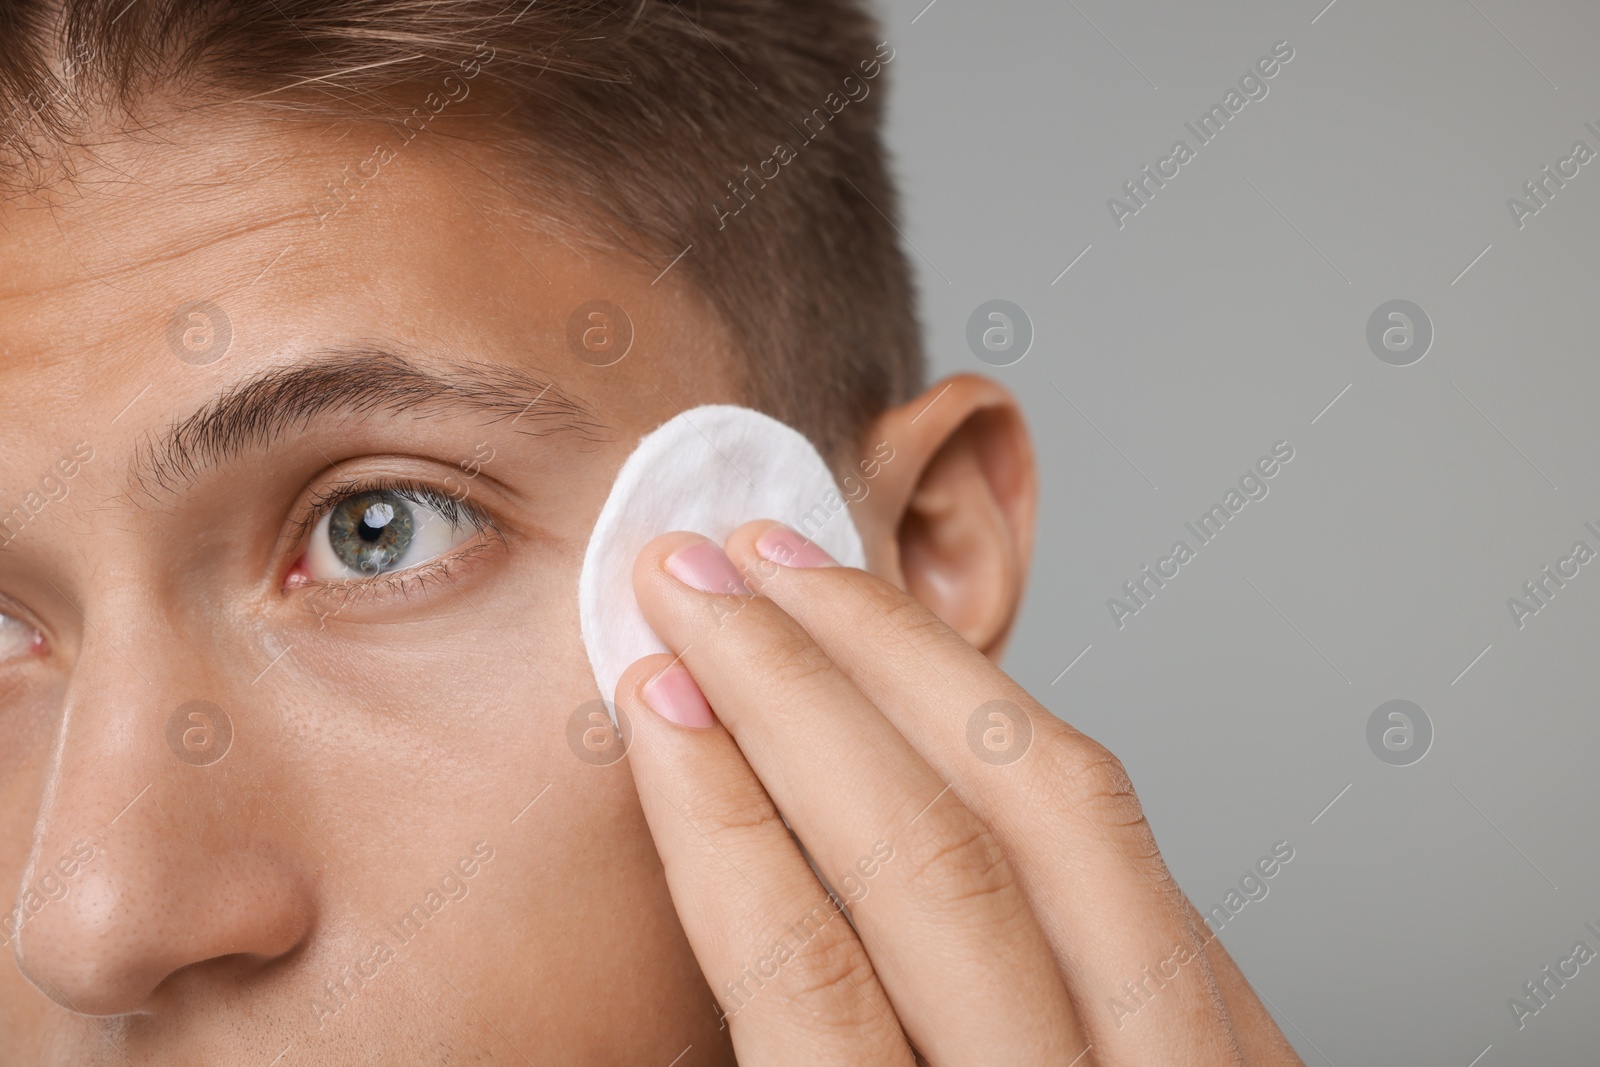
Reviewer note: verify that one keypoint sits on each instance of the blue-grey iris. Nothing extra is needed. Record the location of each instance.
(370, 532)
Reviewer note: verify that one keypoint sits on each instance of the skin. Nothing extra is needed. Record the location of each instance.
(389, 734)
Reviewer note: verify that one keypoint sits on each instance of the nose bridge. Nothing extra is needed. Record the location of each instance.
(129, 675)
(148, 854)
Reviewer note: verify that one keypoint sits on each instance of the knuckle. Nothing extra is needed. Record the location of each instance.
(910, 618)
(792, 660)
(832, 968)
(732, 808)
(956, 860)
(1094, 782)
(1098, 787)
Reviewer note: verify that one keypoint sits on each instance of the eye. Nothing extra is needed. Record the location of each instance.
(18, 639)
(382, 530)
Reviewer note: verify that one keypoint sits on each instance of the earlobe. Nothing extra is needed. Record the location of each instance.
(950, 517)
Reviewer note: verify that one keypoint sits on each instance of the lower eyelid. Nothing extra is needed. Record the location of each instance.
(338, 593)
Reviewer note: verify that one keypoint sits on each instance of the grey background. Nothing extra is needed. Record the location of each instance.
(1225, 317)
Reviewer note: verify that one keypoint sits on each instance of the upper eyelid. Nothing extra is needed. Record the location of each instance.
(12, 609)
(411, 489)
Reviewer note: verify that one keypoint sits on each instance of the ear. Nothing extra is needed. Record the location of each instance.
(950, 493)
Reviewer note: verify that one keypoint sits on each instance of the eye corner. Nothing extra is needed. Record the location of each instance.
(298, 575)
(20, 639)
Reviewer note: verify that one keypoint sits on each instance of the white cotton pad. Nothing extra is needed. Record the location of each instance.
(709, 470)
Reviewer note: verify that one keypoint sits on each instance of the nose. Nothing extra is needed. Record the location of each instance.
(157, 851)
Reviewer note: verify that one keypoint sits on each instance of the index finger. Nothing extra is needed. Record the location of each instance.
(1061, 804)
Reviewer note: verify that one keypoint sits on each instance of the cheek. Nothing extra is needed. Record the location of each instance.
(30, 704)
(433, 733)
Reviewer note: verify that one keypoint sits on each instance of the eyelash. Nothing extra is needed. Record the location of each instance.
(457, 512)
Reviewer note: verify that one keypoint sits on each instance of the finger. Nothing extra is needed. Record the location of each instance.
(1061, 805)
(948, 929)
(791, 976)
(1260, 1039)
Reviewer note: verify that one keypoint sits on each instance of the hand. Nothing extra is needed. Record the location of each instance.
(1001, 909)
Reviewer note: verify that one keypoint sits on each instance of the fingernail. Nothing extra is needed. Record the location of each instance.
(674, 696)
(782, 545)
(704, 566)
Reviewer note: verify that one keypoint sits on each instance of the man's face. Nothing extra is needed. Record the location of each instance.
(289, 655)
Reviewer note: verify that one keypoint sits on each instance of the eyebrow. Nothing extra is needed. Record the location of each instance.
(361, 381)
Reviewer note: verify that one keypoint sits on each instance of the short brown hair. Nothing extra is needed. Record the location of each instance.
(745, 131)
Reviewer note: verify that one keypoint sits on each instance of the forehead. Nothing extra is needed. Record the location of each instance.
(264, 240)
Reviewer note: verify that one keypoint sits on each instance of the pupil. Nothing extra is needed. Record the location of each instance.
(372, 523)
